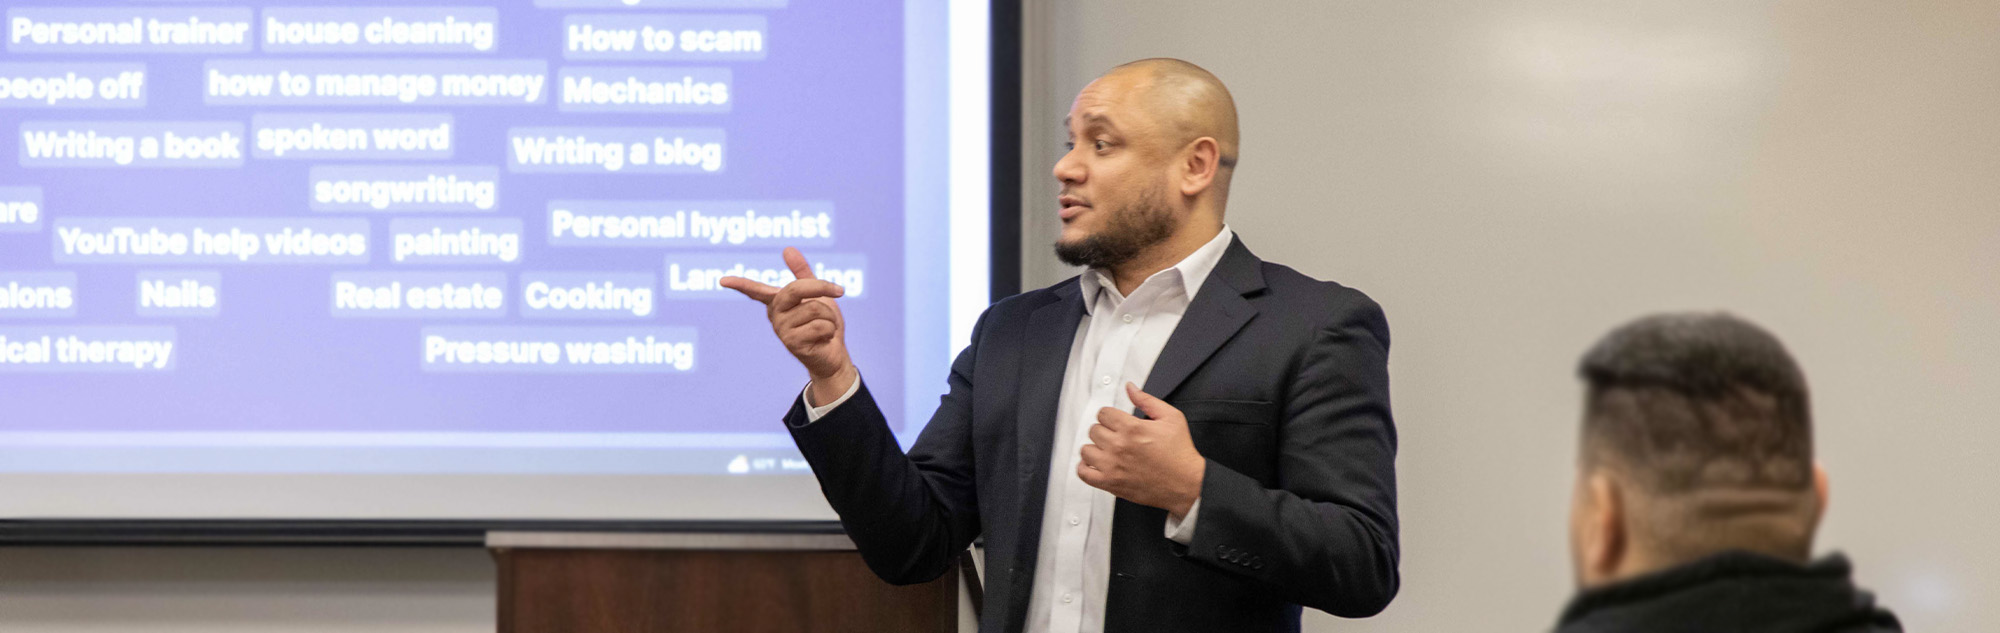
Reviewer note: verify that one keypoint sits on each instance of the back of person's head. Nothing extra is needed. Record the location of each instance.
(1697, 439)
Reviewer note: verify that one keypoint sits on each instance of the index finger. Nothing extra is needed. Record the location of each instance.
(1114, 419)
(760, 292)
(796, 261)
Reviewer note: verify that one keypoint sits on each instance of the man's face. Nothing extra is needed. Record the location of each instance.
(1114, 199)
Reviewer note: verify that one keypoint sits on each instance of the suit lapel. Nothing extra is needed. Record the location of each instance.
(1050, 333)
(1216, 314)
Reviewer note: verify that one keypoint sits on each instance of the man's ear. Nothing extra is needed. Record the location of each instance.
(1820, 491)
(1606, 539)
(1201, 163)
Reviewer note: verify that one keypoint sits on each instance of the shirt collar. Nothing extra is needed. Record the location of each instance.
(1191, 271)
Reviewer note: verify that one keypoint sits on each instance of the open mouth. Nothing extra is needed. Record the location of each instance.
(1071, 206)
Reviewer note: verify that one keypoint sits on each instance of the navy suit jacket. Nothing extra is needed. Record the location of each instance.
(1284, 381)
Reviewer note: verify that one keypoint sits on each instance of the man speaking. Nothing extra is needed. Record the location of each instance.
(1183, 438)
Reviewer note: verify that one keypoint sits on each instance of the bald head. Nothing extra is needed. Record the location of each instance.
(1187, 100)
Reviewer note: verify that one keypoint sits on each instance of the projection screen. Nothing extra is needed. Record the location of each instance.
(419, 260)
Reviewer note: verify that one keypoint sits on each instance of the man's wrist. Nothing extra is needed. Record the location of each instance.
(1189, 493)
(829, 388)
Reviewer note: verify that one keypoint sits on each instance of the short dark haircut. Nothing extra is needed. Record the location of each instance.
(1709, 415)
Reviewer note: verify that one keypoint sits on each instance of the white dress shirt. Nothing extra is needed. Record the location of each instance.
(1117, 342)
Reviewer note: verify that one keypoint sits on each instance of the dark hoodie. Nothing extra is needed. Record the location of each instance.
(1732, 592)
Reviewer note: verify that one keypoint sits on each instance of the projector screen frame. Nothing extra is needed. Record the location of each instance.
(1004, 254)
(345, 533)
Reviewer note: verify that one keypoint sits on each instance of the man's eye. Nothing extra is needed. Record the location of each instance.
(1101, 145)
(1069, 145)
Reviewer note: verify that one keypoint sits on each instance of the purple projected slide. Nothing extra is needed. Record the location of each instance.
(480, 218)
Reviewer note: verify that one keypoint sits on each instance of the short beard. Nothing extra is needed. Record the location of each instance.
(1129, 231)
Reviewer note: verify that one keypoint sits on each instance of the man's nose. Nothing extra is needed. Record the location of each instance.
(1068, 171)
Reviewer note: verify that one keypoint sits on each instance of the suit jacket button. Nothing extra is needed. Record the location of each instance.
(1222, 551)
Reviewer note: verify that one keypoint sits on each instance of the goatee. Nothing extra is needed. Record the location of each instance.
(1130, 231)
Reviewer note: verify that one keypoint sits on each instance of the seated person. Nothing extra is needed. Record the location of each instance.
(1697, 495)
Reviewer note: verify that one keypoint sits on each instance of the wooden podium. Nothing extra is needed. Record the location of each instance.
(611, 582)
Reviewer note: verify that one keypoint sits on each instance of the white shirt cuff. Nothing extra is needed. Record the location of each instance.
(1182, 531)
(813, 414)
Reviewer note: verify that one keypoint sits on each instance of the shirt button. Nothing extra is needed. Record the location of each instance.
(1069, 598)
(1104, 381)
(1128, 318)
(1073, 520)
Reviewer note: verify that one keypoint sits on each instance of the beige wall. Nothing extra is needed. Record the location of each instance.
(1512, 179)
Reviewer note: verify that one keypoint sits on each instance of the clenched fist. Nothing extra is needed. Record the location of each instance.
(1147, 462)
